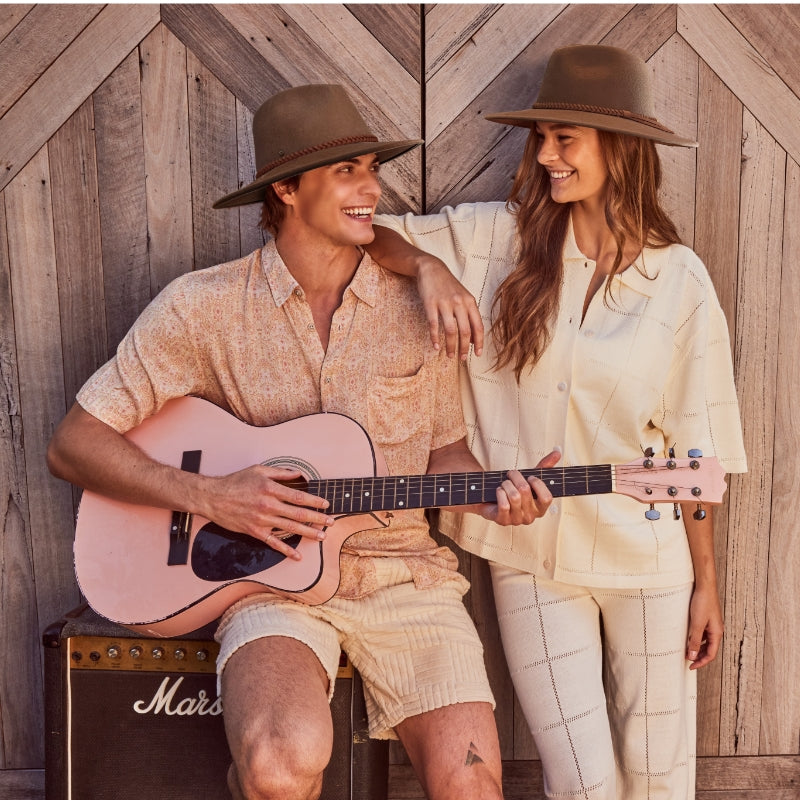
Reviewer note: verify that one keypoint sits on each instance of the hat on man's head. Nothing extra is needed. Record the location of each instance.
(597, 87)
(304, 128)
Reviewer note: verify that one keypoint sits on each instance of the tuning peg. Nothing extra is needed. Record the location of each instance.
(652, 514)
(700, 513)
(672, 452)
(694, 453)
(676, 511)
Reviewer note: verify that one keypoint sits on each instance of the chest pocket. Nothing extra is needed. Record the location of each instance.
(400, 414)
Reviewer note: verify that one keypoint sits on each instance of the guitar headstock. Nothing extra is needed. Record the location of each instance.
(672, 480)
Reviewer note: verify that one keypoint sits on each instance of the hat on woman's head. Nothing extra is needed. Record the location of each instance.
(304, 128)
(597, 87)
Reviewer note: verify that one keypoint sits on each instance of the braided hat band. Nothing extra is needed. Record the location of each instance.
(313, 149)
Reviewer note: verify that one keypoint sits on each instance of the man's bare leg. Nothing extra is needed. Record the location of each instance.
(455, 752)
(277, 719)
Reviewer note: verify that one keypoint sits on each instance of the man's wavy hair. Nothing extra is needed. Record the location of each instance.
(525, 305)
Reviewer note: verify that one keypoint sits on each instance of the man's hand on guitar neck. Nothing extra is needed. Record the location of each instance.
(255, 501)
(519, 501)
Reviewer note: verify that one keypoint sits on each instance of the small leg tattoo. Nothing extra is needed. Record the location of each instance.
(472, 756)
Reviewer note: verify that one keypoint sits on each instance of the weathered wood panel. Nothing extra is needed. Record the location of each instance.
(13, 14)
(780, 700)
(213, 147)
(78, 248)
(121, 192)
(716, 242)
(761, 234)
(745, 70)
(121, 124)
(35, 43)
(165, 134)
(32, 549)
(68, 81)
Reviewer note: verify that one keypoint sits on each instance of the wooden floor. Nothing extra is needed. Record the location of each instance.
(739, 778)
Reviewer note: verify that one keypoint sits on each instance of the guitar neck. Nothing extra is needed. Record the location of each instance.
(398, 492)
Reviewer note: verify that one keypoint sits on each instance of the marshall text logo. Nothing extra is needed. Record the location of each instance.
(164, 700)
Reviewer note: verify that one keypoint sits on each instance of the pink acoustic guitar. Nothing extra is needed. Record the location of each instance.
(166, 573)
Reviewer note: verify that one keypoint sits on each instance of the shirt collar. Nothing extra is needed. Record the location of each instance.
(650, 261)
(283, 284)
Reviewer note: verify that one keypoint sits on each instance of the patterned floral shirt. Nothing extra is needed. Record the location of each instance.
(242, 336)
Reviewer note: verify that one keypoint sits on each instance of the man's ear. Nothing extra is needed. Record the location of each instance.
(284, 191)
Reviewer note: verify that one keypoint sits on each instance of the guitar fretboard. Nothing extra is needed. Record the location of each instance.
(397, 492)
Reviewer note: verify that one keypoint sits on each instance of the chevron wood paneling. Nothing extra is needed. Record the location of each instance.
(120, 125)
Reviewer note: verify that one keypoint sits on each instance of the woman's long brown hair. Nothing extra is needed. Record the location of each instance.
(525, 305)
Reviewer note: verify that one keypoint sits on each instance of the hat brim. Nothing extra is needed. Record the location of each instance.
(528, 117)
(254, 192)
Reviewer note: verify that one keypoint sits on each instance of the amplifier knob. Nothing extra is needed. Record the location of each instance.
(113, 651)
(157, 652)
(202, 655)
(135, 651)
(180, 654)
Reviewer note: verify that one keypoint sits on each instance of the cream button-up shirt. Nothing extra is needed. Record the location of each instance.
(648, 367)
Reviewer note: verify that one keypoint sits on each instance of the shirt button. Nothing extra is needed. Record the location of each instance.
(562, 387)
(327, 380)
(546, 563)
(298, 292)
(311, 326)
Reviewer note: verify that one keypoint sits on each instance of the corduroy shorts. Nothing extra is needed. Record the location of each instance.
(416, 649)
(603, 680)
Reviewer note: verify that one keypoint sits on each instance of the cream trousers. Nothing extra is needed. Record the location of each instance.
(602, 678)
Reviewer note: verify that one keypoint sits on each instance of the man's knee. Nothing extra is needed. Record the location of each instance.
(266, 772)
(283, 760)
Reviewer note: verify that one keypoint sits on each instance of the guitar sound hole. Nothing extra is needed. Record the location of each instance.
(222, 555)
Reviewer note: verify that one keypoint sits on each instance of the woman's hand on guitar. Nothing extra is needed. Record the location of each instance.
(260, 502)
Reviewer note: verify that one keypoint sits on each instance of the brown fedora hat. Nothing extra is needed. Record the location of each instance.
(597, 87)
(304, 128)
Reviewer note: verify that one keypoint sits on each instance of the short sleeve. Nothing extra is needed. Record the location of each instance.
(700, 405)
(156, 361)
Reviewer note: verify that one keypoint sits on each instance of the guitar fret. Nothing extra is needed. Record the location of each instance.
(403, 492)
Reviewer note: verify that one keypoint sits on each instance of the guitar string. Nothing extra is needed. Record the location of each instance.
(426, 486)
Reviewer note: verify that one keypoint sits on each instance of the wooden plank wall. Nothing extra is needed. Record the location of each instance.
(120, 124)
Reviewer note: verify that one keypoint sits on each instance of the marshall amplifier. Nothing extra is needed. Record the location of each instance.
(128, 716)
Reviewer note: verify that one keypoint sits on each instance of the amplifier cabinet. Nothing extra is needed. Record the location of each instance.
(128, 716)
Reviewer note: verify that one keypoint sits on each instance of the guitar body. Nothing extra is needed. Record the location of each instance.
(121, 549)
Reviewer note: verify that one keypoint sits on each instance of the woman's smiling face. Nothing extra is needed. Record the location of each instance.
(573, 158)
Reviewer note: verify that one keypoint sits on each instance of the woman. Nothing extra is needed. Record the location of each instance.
(606, 340)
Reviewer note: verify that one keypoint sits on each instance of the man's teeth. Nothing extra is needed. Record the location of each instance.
(364, 211)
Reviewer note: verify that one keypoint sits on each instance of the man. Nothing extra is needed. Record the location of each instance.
(308, 324)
